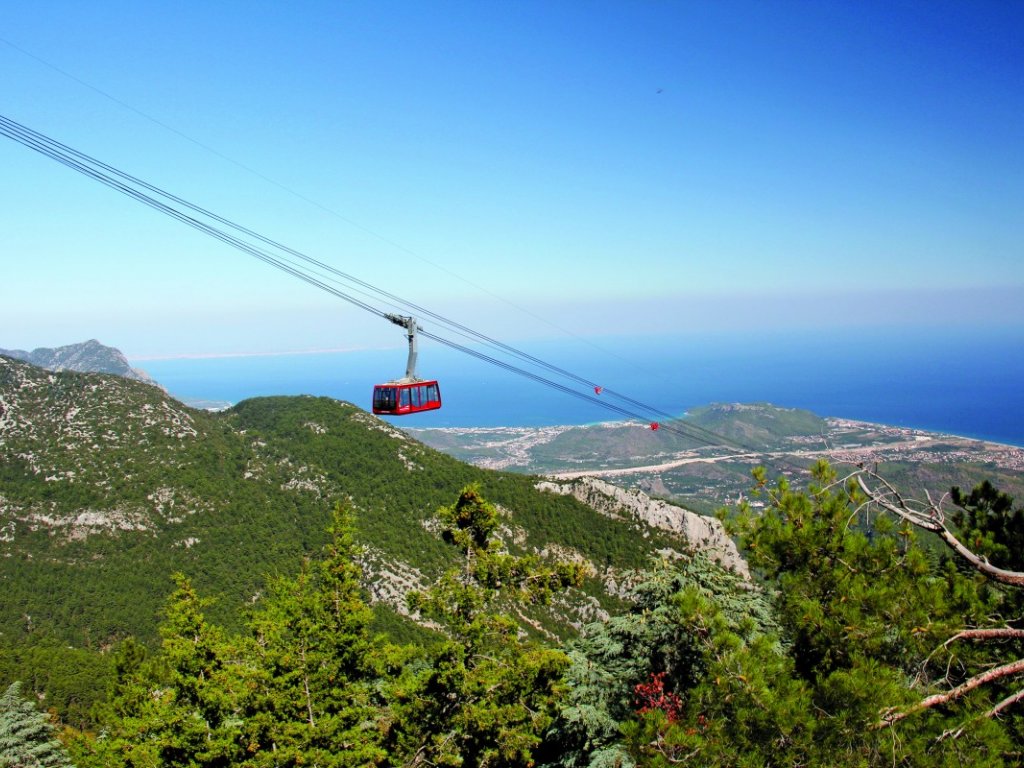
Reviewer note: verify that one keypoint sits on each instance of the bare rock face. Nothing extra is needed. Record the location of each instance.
(703, 533)
(86, 357)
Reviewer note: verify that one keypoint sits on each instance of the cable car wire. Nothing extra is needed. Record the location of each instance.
(53, 148)
(321, 206)
(133, 187)
(109, 176)
(419, 310)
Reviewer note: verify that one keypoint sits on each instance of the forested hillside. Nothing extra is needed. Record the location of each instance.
(186, 588)
(108, 487)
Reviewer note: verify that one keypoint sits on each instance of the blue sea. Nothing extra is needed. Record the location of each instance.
(968, 383)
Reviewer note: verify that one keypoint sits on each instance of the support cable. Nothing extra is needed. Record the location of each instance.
(133, 187)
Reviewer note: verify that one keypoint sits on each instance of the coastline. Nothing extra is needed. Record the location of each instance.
(981, 402)
(556, 452)
(838, 420)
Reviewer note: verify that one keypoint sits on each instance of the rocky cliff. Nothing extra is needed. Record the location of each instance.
(701, 532)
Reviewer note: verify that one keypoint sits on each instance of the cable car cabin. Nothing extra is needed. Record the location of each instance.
(408, 394)
(399, 398)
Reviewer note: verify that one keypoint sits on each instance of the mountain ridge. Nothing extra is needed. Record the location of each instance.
(108, 485)
(84, 357)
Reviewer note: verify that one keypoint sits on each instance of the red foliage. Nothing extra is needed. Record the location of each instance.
(652, 696)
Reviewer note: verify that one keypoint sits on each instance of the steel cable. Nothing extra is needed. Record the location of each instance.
(134, 187)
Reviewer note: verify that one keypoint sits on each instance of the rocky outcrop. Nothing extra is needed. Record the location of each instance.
(86, 357)
(704, 533)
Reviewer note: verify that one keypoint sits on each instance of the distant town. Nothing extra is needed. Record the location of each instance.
(709, 477)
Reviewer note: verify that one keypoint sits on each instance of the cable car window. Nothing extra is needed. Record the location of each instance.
(384, 398)
(405, 397)
(431, 393)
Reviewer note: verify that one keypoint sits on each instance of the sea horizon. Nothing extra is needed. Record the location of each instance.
(965, 383)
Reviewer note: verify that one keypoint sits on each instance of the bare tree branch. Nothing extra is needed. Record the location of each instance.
(929, 515)
(990, 633)
(1008, 701)
(986, 634)
(931, 518)
(996, 673)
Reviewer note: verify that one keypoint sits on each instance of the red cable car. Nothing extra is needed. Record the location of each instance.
(408, 394)
(397, 398)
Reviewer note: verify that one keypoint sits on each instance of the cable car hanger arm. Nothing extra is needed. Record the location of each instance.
(409, 323)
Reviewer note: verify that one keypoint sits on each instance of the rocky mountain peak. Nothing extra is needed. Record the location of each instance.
(85, 357)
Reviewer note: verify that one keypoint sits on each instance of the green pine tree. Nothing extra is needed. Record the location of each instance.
(298, 689)
(27, 735)
(487, 695)
(862, 608)
(182, 707)
(708, 672)
(312, 666)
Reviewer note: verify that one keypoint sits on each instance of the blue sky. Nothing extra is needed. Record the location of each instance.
(528, 168)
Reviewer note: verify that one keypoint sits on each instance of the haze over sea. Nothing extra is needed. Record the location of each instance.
(968, 383)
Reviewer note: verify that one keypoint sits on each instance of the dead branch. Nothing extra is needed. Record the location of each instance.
(930, 517)
(996, 673)
(985, 634)
(1008, 701)
(990, 633)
